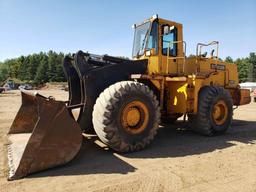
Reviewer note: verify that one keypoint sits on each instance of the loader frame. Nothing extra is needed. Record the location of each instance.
(88, 75)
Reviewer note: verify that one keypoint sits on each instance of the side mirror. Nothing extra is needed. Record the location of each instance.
(168, 29)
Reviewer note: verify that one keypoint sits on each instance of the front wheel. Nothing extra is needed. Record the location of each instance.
(126, 116)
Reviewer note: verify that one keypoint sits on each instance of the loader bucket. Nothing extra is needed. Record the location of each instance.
(43, 135)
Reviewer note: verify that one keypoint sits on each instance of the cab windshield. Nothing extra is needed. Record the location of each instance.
(145, 38)
(140, 39)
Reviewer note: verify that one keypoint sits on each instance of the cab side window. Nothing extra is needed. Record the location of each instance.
(169, 36)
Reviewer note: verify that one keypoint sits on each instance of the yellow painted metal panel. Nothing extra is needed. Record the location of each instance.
(177, 97)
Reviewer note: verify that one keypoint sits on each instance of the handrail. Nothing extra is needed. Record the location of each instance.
(184, 55)
(200, 45)
(199, 48)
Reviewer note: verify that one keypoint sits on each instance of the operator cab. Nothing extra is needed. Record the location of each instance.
(161, 42)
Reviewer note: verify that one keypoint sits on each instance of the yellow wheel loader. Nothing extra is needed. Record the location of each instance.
(124, 100)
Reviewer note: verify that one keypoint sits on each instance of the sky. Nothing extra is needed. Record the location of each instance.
(104, 26)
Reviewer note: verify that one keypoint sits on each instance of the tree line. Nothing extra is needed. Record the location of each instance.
(35, 68)
(246, 67)
(47, 67)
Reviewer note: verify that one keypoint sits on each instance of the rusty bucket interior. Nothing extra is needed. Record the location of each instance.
(43, 135)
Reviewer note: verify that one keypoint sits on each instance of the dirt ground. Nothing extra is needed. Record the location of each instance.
(177, 160)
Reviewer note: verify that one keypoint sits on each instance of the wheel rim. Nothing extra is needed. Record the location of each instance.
(220, 112)
(134, 117)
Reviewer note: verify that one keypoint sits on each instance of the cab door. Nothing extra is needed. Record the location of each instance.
(169, 49)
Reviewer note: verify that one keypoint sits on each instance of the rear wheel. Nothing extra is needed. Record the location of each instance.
(126, 116)
(215, 111)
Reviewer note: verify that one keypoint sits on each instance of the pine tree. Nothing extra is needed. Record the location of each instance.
(60, 76)
(243, 67)
(252, 61)
(3, 73)
(23, 73)
(229, 59)
(41, 74)
(52, 65)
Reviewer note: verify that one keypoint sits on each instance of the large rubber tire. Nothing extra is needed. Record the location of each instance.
(203, 122)
(108, 110)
